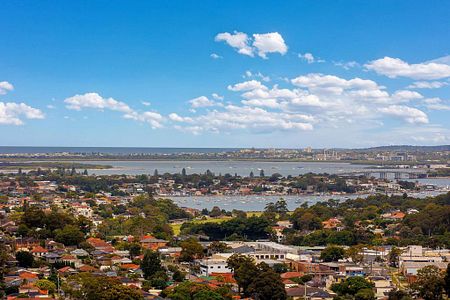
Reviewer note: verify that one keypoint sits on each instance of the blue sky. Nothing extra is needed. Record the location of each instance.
(225, 73)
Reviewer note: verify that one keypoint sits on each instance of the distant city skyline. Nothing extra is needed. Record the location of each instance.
(337, 74)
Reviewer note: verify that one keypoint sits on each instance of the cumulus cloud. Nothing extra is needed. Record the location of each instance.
(217, 96)
(250, 74)
(5, 87)
(271, 42)
(347, 65)
(237, 40)
(333, 100)
(146, 103)
(333, 84)
(309, 58)
(253, 119)
(246, 86)
(395, 67)
(153, 118)
(260, 43)
(409, 114)
(95, 101)
(437, 104)
(201, 101)
(406, 95)
(427, 84)
(11, 113)
(215, 56)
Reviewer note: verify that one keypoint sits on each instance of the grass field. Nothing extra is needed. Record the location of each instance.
(177, 227)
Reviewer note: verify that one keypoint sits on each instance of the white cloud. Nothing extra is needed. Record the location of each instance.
(95, 101)
(201, 101)
(153, 118)
(177, 118)
(333, 84)
(346, 65)
(409, 114)
(5, 87)
(260, 43)
(436, 104)
(309, 58)
(427, 85)
(237, 40)
(405, 95)
(271, 42)
(217, 96)
(215, 56)
(254, 119)
(11, 113)
(246, 86)
(146, 103)
(50, 106)
(249, 74)
(395, 67)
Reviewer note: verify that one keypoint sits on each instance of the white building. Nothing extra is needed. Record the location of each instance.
(209, 266)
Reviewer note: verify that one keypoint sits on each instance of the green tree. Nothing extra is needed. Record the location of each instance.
(429, 284)
(218, 247)
(393, 256)
(70, 235)
(190, 249)
(86, 286)
(365, 294)
(47, 285)
(25, 259)
(398, 295)
(244, 270)
(447, 281)
(151, 264)
(351, 286)
(355, 253)
(332, 253)
(267, 285)
(215, 212)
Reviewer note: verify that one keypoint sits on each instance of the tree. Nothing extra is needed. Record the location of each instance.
(398, 295)
(178, 276)
(251, 174)
(355, 254)
(70, 235)
(151, 264)
(447, 281)
(351, 286)
(244, 270)
(267, 286)
(183, 172)
(365, 294)
(215, 212)
(188, 290)
(429, 284)
(190, 249)
(89, 287)
(218, 247)
(393, 256)
(332, 253)
(261, 173)
(25, 259)
(281, 208)
(47, 285)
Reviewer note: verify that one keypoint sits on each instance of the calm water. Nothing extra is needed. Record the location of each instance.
(111, 150)
(242, 168)
(257, 203)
